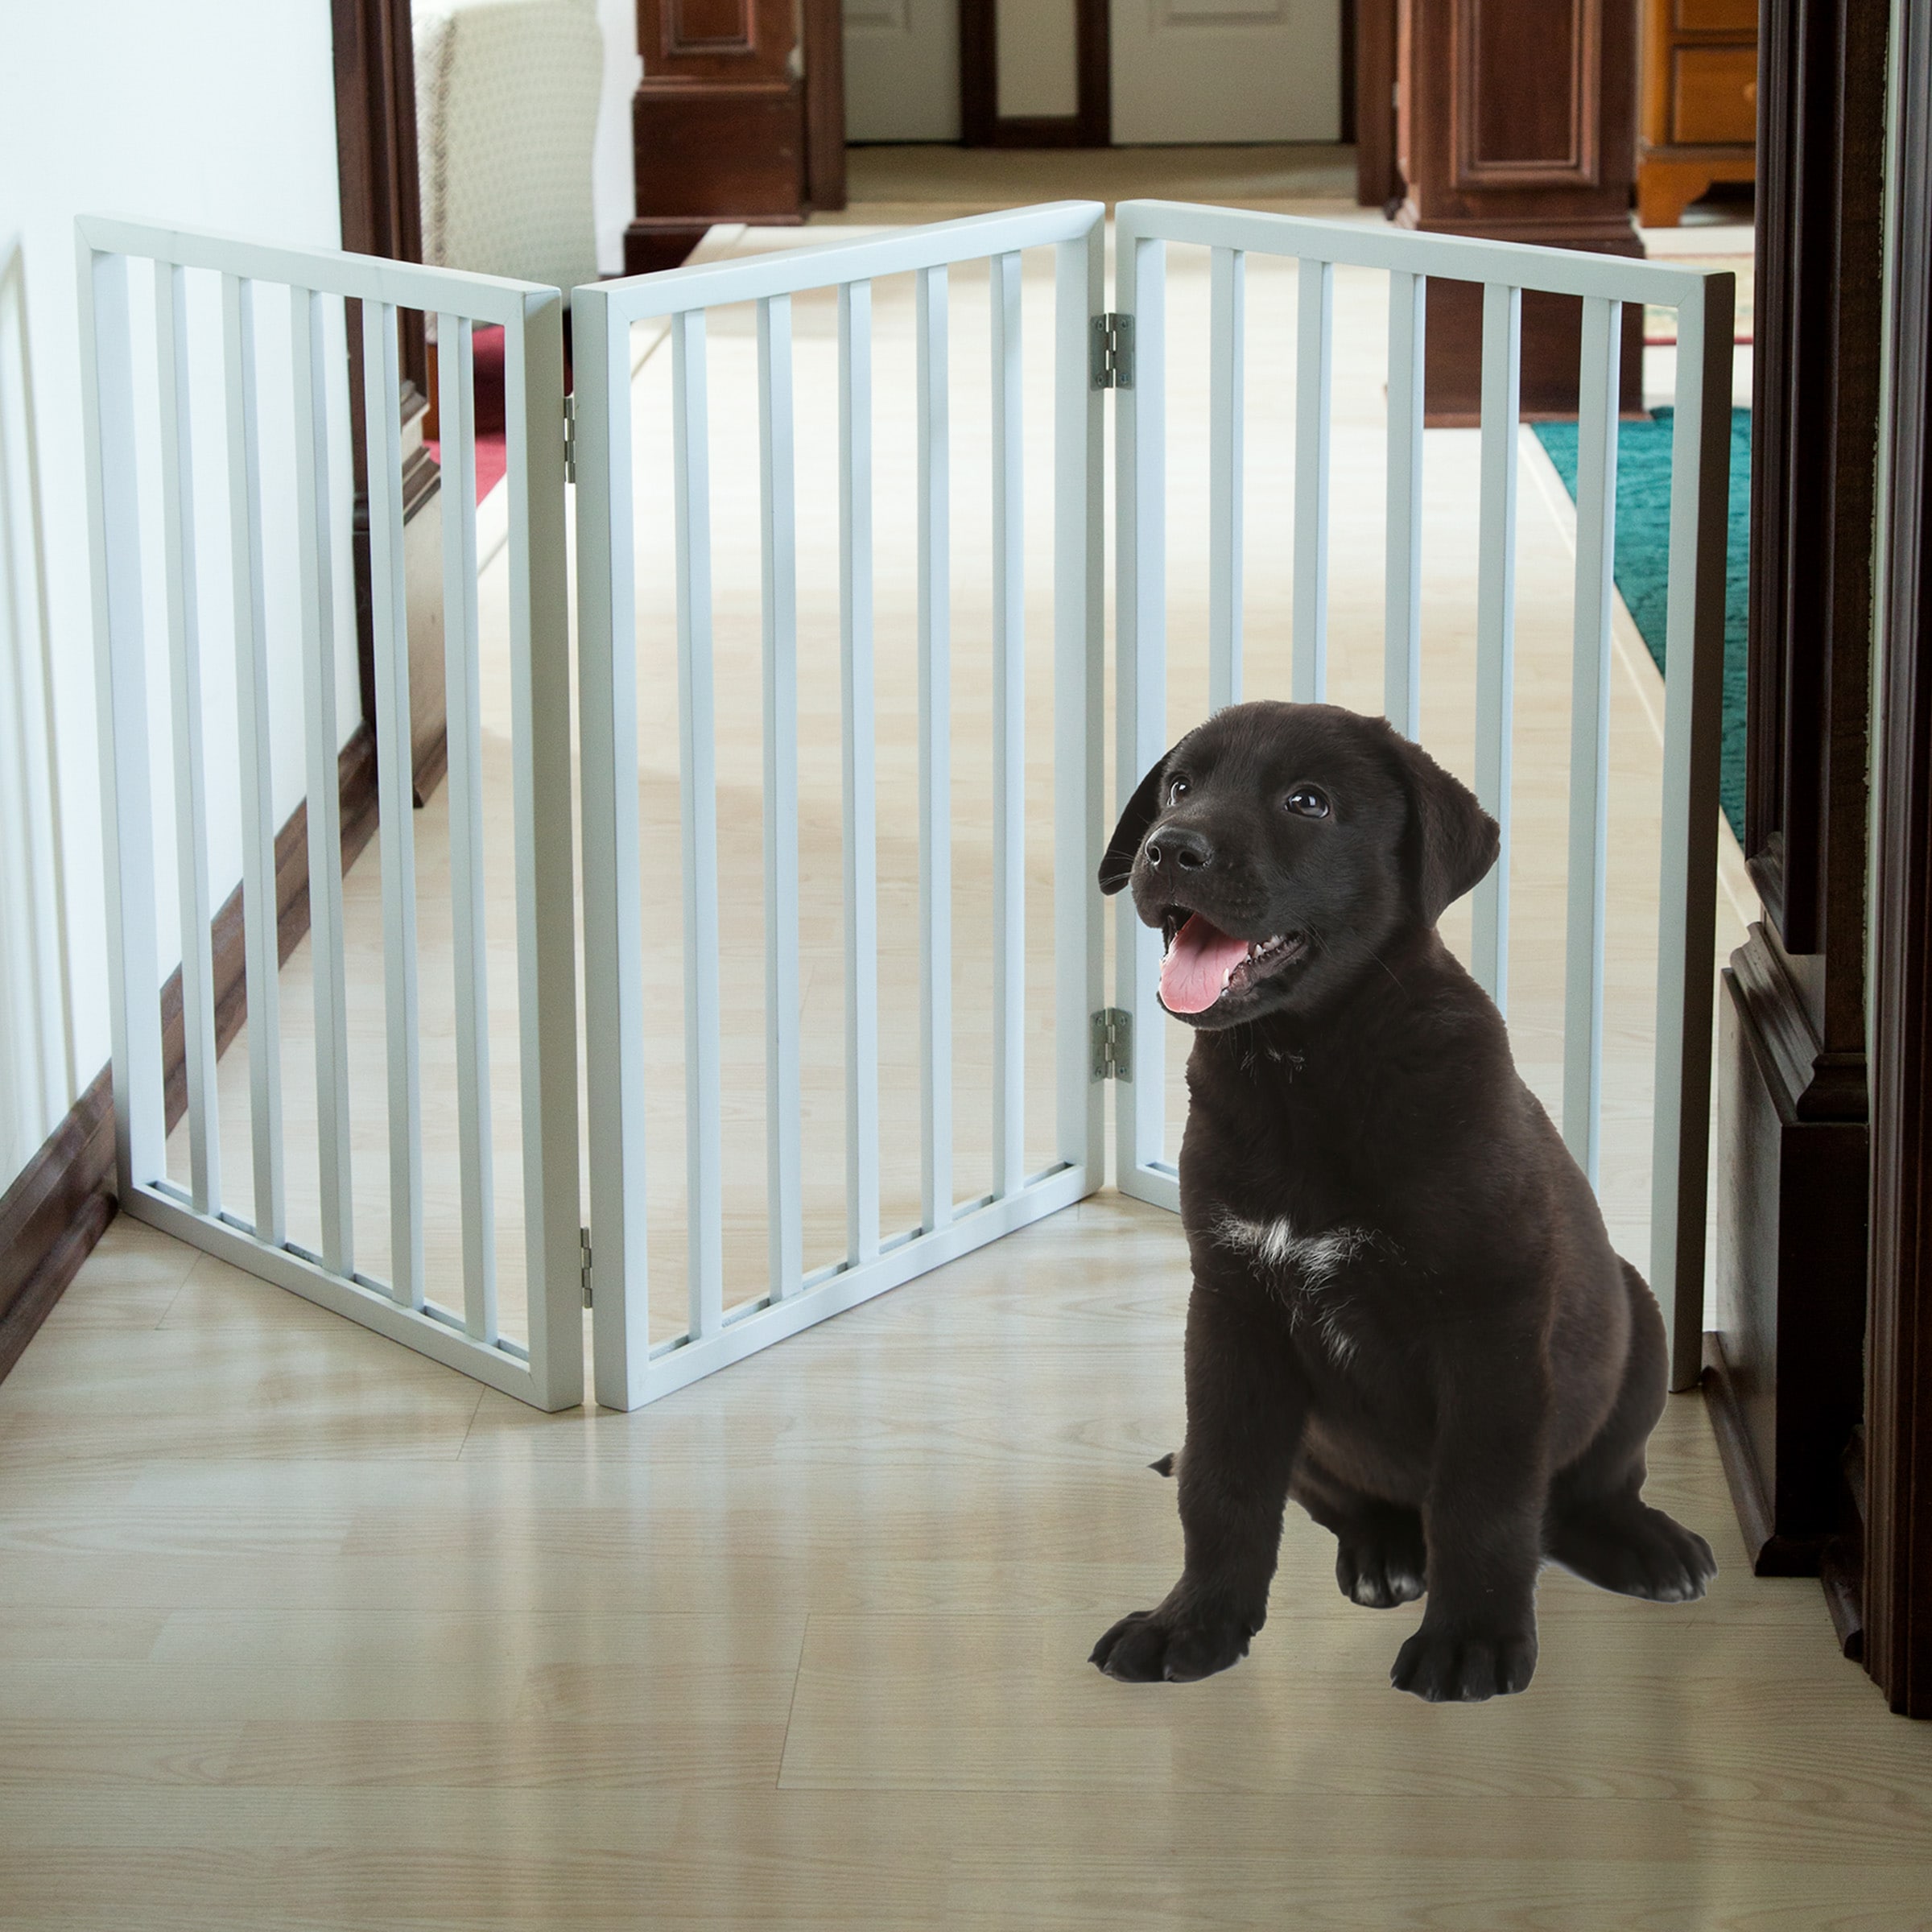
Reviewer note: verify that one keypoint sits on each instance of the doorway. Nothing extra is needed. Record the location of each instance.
(1095, 73)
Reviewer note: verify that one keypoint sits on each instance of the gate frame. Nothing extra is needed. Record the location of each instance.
(629, 1371)
(549, 1374)
(1694, 635)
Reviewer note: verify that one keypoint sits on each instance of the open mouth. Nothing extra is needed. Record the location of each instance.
(1203, 966)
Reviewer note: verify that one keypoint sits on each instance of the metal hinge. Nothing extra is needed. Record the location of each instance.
(1113, 1032)
(1110, 351)
(584, 1248)
(570, 466)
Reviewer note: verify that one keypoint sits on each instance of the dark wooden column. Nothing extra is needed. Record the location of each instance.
(1377, 181)
(1784, 1365)
(717, 124)
(1517, 120)
(382, 215)
(1897, 1443)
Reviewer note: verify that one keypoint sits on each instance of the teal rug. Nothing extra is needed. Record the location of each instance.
(1643, 556)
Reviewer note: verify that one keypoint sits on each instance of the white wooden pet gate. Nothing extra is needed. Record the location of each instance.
(567, 1255)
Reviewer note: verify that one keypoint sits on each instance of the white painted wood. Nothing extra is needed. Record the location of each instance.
(1226, 325)
(1140, 686)
(1313, 381)
(382, 417)
(261, 939)
(1402, 623)
(901, 70)
(613, 945)
(1694, 654)
(697, 748)
(779, 547)
(1496, 623)
(462, 685)
(858, 751)
(1079, 704)
(1589, 733)
(1009, 735)
(1199, 71)
(934, 457)
(315, 540)
(107, 404)
(182, 598)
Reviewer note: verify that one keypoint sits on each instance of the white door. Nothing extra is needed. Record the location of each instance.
(901, 70)
(1187, 70)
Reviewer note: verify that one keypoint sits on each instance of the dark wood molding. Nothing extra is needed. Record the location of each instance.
(1091, 124)
(1517, 120)
(57, 1208)
(1377, 181)
(1897, 1438)
(1814, 404)
(824, 28)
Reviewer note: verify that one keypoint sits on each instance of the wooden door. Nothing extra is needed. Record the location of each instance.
(901, 70)
(1187, 70)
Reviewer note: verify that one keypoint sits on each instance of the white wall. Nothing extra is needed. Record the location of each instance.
(217, 114)
(1038, 42)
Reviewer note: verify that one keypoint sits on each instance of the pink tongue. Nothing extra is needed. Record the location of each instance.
(1196, 964)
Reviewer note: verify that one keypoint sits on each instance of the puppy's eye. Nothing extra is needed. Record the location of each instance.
(1178, 790)
(1310, 801)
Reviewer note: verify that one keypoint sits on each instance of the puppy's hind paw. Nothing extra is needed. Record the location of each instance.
(1637, 1551)
(1451, 1667)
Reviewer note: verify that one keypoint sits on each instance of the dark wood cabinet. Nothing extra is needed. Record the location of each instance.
(1517, 120)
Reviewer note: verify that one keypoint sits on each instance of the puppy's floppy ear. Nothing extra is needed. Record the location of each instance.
(1454, 841)
(1143, 808)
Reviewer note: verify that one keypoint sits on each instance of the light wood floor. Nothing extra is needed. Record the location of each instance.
(298, 1630)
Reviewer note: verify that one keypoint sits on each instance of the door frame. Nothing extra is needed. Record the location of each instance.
(980, 123)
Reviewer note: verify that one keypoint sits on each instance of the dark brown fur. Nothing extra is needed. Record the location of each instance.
(1447, 1365)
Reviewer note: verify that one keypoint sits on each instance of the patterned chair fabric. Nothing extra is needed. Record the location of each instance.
(506, 114)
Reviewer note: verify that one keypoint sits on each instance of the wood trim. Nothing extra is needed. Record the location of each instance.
(980, 123)
(59, 1205)
(1378, 181)
(1473, 169)
(824, 35)
(1897, 1529)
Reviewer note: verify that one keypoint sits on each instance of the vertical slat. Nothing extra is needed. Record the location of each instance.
(1079, 701)
(613, 945)
(261, 950)
(542, 812)
(1009, 735)
(382, 416)
(1227, 330)
(697, 746)
(183, 604)
(936, 753)
(107, 404)
(858, 754)
(1495, 620)
(1589, 733)
(1141, 693)
(1694, 658)
(1402, 622)
(1313, 373)
(462, 685)
(314, 519)
(779, 548)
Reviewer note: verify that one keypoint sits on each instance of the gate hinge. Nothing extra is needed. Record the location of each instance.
(1112, 1029)
(584, 1248)
(570, 440)
(1110, 351)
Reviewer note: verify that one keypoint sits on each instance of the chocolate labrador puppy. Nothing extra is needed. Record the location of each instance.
(1406, 1313)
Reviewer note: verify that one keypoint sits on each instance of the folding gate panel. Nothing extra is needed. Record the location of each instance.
(1699, 503)
(629, 1369)
(314, 286)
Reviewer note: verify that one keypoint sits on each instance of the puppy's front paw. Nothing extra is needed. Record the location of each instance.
(1461, 1665)
(1153, 1645)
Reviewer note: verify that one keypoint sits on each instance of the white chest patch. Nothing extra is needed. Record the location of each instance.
(1315, 1259)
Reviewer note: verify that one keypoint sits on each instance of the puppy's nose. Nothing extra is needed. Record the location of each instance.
(1186, 849)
